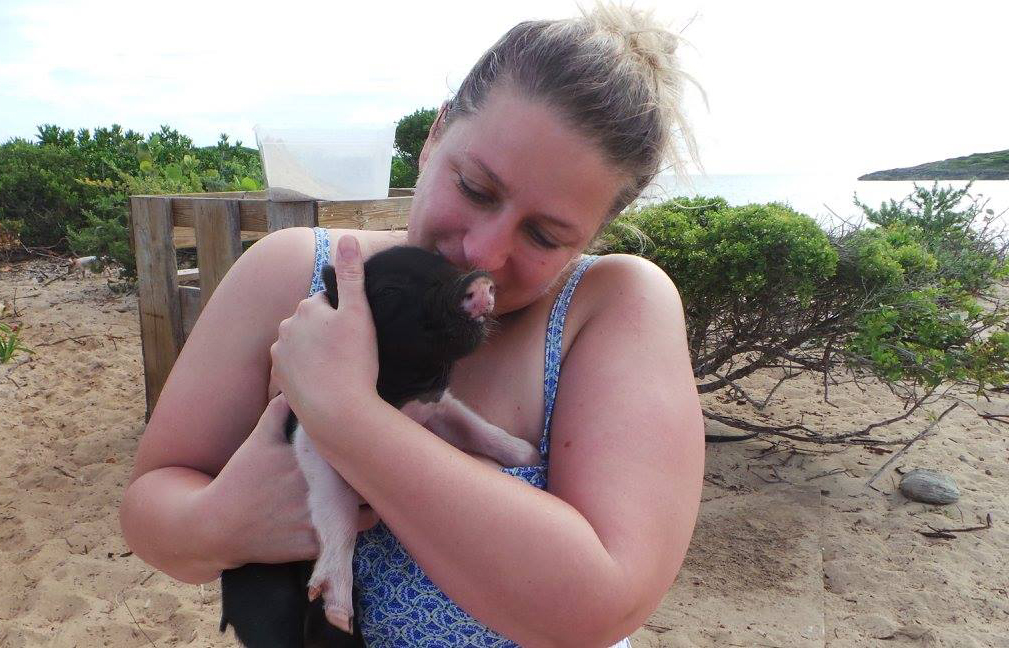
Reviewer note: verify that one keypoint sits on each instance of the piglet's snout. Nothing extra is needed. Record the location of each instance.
(479, 299)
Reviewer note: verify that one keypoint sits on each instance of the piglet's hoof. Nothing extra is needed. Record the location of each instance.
(338, 615)
(341, 618)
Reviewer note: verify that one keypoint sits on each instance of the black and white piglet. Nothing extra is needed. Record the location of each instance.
(427, 315)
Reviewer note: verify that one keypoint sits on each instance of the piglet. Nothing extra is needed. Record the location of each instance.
(427, 315)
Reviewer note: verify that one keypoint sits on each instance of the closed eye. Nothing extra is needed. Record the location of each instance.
(472, 194)
(534, 233)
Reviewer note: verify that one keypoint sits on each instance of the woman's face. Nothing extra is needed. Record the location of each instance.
(512, 190)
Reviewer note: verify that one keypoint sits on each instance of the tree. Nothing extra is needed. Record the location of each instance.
(411, 133)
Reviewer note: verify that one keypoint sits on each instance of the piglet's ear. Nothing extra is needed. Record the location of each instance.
(329, 280)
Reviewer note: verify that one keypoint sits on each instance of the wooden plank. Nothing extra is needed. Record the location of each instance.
(385, 214)
(396, 192)
(185, 237)
(253, 212)
(191, 306)
(158, 291)
(291, 214)
(218, 244)
(189, 275)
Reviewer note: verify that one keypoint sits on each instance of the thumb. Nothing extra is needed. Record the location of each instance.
(274, 418)
(350, 272)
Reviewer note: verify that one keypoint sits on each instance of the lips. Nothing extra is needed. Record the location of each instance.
(459, 262)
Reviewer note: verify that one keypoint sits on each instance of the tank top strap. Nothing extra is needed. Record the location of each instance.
(321, 258)
(555, 331)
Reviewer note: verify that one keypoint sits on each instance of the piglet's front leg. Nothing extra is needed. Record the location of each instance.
(456, 423)
(333, 505)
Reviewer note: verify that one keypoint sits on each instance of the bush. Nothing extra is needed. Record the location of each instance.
(763, 286)
(740, 270)
(40, 192)
(69, 191)
(957, 237)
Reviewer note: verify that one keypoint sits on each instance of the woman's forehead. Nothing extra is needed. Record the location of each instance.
(530, 152)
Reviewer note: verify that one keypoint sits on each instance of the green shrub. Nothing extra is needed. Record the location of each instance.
(106, 233)
(40, 192)
(230, 167)
(69, 191)
(951, 228)
(746, 262)
(764, 286)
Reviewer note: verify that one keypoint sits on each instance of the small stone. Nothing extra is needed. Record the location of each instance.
(929, 486)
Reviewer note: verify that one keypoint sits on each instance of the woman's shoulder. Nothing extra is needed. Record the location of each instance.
(615, 283)
(629, 271)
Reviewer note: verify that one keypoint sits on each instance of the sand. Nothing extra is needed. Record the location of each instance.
(783, 555)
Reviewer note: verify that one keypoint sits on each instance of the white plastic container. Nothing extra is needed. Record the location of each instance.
(348, 163)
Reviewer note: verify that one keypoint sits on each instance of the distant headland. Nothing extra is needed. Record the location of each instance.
(979, 166)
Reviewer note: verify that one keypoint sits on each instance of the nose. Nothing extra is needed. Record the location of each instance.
(487, 244)
(479, 298)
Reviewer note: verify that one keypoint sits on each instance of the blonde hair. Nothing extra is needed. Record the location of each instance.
(613, 73)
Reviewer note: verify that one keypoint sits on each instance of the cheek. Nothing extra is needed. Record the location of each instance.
(533, 278)
(434, 214)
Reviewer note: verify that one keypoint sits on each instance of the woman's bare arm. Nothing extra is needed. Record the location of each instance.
(586, 562)
(211, 402)
(627, 441)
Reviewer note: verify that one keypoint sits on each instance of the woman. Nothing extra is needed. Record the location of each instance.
(557, 128)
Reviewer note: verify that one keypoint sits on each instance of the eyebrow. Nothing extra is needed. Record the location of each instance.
(497, 180)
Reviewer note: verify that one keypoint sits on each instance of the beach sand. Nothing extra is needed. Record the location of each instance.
(791, 548)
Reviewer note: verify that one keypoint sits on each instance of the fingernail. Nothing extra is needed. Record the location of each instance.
(348, 248)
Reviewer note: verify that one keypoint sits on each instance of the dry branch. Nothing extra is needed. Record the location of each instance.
(908, 444)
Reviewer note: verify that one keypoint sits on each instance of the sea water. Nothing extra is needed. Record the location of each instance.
(828, 198)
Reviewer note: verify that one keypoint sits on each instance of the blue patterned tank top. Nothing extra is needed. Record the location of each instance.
(398, 606)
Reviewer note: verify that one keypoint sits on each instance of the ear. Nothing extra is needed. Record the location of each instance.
(435, 131)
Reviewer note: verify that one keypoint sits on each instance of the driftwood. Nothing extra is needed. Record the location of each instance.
(947, 534)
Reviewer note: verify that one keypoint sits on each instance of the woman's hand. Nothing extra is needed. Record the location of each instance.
(260, 498)
(326, 359)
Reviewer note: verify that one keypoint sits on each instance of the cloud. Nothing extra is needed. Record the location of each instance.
(791, 84)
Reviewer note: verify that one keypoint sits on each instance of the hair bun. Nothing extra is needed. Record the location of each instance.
(640, 32)
(651, 48)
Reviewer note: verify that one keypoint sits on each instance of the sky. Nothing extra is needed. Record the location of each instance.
(792, 87)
